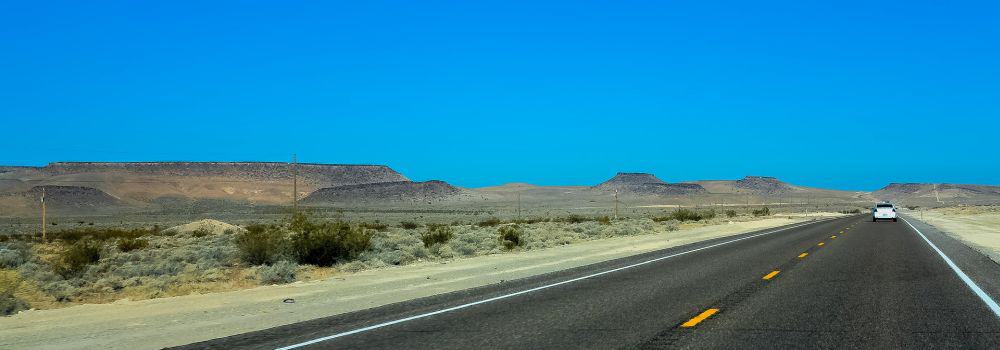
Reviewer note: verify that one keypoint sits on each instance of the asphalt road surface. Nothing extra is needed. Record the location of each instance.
(843, 283)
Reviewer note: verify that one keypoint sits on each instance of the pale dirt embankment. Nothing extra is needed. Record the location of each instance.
(157, 323)
(977, 227)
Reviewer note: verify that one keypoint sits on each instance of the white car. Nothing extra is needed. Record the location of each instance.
(884, 211)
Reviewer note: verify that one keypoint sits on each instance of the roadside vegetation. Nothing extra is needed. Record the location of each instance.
(96, 265)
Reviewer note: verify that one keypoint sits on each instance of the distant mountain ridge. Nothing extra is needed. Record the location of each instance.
(646, 184)
(939, 193)
(384, 191)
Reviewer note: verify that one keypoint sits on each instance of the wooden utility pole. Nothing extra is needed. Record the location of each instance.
(295, 184)
(519, 205)
(43, 215)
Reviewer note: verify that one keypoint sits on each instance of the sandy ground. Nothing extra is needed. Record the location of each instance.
(157, 323)
(978, 227)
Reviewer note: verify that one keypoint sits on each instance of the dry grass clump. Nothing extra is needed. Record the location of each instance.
(130, 244)
(10, 281)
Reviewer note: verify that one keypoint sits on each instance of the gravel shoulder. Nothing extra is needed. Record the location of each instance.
(158, 323)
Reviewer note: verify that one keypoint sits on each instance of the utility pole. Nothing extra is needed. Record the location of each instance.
(519, 205)
(43, 215)
(295, 185)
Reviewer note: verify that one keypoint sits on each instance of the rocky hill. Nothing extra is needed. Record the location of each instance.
(647, 184)
(327, 174)
(384, 191)
(147, 182)
(763, 185)
(927, 193)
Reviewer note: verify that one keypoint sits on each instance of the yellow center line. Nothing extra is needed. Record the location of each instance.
(834, 236)
(701, 317)
(803, 255)
(841, 231)
(821, 244)
(771, 275)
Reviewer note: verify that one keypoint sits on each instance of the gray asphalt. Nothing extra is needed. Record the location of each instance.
(877, 285)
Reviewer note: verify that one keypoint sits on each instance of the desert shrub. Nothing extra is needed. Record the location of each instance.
(378, 226)
(13, 254)
(489, 222)
(576, 219)
(201, 232)
(130, 244)
(765, 211)
(731, 213)
(436, 234)
(280, 272)
(98, 234)
(685, 215)
(327, 243)
(510, 236)
(851, 211)
(409, 225)
(10, 281)
(261, 244)
(605, 220)
(77, 256)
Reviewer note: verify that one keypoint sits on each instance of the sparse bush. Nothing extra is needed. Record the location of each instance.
(489, 222)
(765, 211)
(851, 211)
(436, 234)
(261, 244)
(575, 219)
(98, 234)
(77, 256)
(409, 225)
(280, 272)
(685, 215)
(130, 244)
(378, 226)
(731, 213)
(10, 281)
(328, 243)
(510, 236)
(708, 215)
(604, 220)
(201, 232)
(13, 255)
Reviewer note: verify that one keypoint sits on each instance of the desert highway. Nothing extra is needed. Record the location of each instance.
(840, 283)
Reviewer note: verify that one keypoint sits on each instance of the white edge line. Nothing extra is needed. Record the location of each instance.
(505, 296)
(992, 304)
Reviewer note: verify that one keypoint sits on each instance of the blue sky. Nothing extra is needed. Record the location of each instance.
(847, 95)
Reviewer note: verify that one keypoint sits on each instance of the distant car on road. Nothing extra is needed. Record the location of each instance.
(884, 211)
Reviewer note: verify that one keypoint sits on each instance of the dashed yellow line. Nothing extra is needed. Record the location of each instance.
(771, 275)
(803, 255)
(841, 231)
(821, 244)
(701, 317)
(834, 236)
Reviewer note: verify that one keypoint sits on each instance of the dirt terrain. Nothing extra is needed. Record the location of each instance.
(179, 320)
(976, 226)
